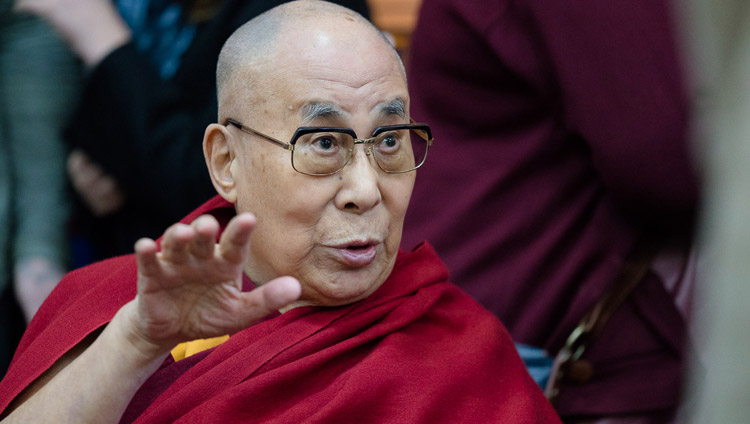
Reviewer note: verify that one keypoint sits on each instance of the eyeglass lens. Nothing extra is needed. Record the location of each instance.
(323, 153)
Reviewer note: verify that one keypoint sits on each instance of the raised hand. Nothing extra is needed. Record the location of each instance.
(99, 190)
(193, 287)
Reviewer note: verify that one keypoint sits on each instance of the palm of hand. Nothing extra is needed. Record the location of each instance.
(193, 287)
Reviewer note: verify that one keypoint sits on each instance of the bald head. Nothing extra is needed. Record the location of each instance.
(252, 50)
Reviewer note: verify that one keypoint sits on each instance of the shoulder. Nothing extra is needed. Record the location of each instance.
(442, 312)
(85, 298)
(115, 276)
(84, 301)
(453, 360)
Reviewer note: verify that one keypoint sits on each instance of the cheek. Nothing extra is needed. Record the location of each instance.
(253, 184)
(299, 207)
(288, 212)
(397, 195)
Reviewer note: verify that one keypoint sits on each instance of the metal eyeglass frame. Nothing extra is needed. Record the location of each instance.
(423, 130)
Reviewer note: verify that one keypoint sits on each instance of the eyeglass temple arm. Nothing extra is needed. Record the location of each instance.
(249, 130)
(424, 135)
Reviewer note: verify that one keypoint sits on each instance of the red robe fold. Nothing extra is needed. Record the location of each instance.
(418, 350)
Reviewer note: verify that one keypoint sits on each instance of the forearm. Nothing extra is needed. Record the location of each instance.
(98, 385)
(92, 28)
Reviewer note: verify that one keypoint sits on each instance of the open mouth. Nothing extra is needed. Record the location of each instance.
(360, 247)
(357, 254)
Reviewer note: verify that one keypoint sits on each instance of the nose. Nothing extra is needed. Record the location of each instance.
(360, 190)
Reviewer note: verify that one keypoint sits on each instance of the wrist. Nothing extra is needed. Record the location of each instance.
(126, 328)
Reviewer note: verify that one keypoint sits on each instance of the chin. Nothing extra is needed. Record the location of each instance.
(343, 291)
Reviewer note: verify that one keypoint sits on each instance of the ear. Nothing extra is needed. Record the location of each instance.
(219, 156)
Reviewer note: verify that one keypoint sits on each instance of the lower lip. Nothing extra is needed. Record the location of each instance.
(357, 257)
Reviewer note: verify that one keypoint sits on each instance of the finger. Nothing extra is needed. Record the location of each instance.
(105, 197)
(82, 173)
(75, 158)
(174, 245)
(97, 189)
(206, 228)
(105, 187)
(145, 254)
(234, 244)
(269, 297)
(78, 159)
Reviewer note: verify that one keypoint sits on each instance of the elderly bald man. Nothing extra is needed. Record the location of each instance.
(341, 327)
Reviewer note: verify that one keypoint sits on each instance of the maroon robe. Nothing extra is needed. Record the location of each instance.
(561, 138)
(416, 350)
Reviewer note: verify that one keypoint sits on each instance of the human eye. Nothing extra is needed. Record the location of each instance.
(389, 143)
(323, 143)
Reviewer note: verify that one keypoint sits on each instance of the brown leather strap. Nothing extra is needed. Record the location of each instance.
(568, 363)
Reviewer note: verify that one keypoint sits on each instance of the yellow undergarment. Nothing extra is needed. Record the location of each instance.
(183, 350)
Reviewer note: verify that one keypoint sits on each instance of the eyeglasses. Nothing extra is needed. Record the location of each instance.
(321, 151)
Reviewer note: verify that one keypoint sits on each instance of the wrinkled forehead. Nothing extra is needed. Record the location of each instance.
(322, 66)
(333, 73)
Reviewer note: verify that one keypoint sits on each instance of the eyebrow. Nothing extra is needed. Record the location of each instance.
(313, 110)
(396, 106)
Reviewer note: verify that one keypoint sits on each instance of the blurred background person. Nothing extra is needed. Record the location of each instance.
(563, 181)
(39, 81)
(718, 38)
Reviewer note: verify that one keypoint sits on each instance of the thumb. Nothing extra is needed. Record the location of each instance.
(270, 297)
(281, 292)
